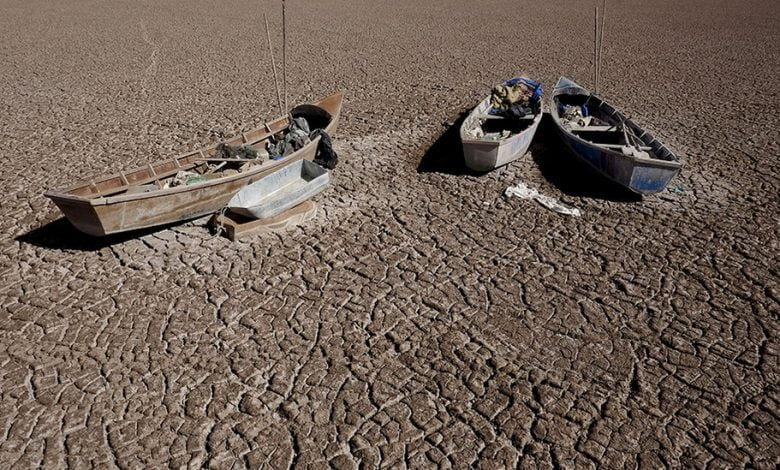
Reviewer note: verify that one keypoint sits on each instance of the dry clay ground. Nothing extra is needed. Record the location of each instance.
(421, 319)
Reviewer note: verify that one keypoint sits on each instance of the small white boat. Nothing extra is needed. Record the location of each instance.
(509, 140)
(279, 191)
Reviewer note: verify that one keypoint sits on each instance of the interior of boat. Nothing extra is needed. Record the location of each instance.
(205, 164)
(481, 125)
(492, 125)
(590, 119)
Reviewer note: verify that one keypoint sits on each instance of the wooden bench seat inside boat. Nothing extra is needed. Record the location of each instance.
(529, 117)
(595, 129)
(618, 146)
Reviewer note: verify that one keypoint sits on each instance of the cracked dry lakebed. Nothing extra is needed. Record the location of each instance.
(421, 319)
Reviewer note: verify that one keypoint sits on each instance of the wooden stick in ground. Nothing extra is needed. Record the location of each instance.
(601, 38)
(273, 63)
(284, 54)
(595, 49)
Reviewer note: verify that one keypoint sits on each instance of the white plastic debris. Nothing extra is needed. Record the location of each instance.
(475, 132)
(524, 192)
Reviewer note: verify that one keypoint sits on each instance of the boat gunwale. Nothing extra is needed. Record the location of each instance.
(194, 156)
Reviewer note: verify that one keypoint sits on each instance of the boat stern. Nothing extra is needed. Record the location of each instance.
(651, 179)
(79, 212)
(481, 155)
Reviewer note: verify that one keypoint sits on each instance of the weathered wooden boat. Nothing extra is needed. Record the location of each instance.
(280, 191)
(487, 151)
(609, 142)
(135, 199)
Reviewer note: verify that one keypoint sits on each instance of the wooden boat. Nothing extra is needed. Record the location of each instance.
(611, 143)
(238, 227)
(280, 191)
(488, 151)
(135, 199)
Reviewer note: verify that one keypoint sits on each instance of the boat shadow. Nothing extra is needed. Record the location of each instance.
(445, 155)
(568, 173)
(62, 235)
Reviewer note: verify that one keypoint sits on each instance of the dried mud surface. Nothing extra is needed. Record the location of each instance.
(421, 318)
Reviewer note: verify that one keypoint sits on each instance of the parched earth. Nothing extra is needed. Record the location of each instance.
(421, 319)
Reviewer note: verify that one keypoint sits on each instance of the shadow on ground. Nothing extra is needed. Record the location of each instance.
(568, 173)
(62, 235)
(445, 155)
(556, 162)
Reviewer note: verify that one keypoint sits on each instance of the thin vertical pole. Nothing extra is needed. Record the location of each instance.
(601, 38)
(284, 54)
(595, 50)
(273, 63)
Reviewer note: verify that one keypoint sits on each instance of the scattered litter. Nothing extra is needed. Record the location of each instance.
(183, 178)
(496, 135)
(630, 151)
(578, 116)
(476, 132)
(678, 189)
(524, 192)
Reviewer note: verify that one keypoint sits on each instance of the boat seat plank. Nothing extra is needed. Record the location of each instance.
(215, 159)
(493, 116)
(618, 146)
(596, 129)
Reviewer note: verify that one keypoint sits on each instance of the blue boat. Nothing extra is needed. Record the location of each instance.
(609, 142)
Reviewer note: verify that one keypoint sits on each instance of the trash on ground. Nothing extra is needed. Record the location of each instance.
(524, 192)
(326, 156)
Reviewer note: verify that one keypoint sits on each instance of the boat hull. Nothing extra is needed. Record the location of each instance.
(99, 216)
(641, 174)
(485, 155)
(119, 215)
(642, 177)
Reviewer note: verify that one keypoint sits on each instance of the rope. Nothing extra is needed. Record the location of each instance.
(219, 228)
